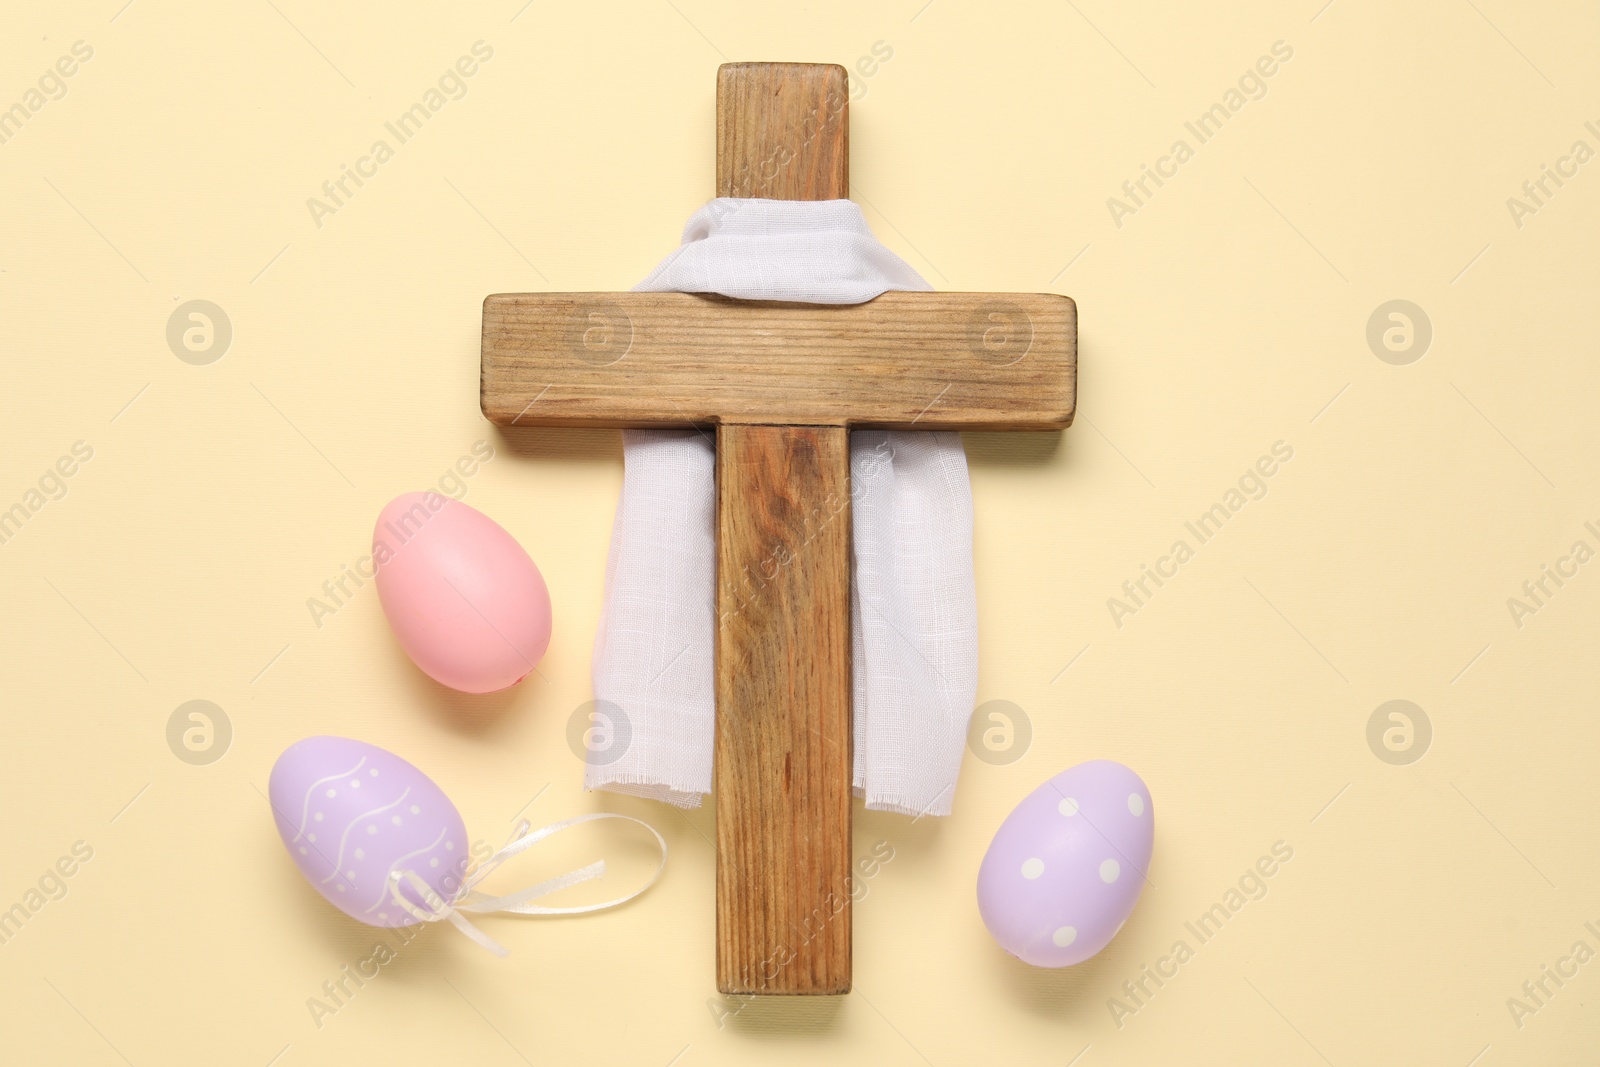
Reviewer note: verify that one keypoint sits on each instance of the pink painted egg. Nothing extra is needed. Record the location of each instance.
(350, 813)
(466, 602)
(1066, 867)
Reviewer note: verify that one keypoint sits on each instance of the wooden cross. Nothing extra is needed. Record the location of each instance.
(782, 384)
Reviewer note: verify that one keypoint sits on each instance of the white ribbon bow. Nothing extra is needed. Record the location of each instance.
(468, 899)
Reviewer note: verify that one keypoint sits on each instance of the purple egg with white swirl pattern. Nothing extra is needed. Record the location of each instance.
(351, 813)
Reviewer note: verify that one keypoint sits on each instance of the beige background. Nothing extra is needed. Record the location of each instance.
(1228, 313)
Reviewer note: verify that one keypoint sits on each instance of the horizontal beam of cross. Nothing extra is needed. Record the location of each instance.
(938, 361)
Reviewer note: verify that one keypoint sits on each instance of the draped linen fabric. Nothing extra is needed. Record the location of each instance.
(913, 604)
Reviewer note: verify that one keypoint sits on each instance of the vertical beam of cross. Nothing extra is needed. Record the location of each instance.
(782, 762)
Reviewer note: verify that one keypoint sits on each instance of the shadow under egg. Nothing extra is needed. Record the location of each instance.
(469, 713)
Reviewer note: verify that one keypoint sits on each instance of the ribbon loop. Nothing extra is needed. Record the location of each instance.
(435, 908)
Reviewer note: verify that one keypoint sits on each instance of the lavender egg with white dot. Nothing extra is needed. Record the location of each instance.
(1066, 867)
(351, 814)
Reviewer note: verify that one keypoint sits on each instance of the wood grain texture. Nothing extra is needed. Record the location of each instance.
(783, 131)
(941, 361)
(783, 734)
(781, 769)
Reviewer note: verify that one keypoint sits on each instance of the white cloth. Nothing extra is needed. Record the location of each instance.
(913, 604)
